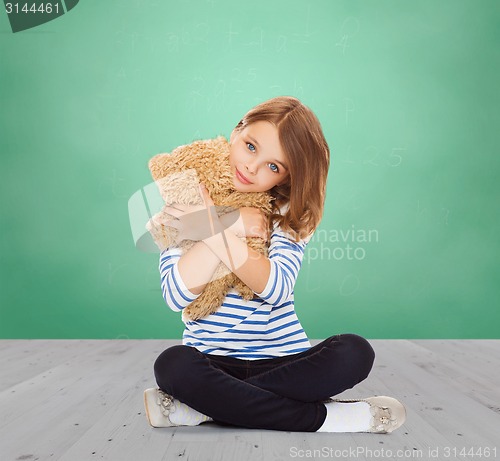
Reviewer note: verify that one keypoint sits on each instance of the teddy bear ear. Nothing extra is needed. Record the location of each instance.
(155, 165)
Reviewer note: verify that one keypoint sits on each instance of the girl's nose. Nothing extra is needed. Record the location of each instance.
(251, 168)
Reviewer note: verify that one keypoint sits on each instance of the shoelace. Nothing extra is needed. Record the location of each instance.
(166, 403)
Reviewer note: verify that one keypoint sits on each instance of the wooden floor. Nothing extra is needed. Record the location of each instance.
(78, 400)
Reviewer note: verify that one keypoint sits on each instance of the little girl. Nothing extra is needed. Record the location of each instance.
(250, 364)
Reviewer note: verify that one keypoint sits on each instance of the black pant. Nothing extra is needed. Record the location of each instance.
(283, 393)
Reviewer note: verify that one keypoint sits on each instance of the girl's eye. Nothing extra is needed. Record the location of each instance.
(251, 147)
(276, 170)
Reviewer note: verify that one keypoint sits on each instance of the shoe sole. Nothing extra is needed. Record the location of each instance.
(147, 408)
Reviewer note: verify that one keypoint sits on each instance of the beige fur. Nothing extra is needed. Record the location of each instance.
(177, 175)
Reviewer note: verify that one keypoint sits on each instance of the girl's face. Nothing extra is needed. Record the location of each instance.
(256, 158)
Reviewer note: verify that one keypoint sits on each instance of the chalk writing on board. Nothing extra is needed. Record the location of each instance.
(252, 74)
(212, 97)
(202, 31)
(445, 213)
(348, 158)
(281, 44)
(431, 213)
(259, 42)
(421, 212)
(352, 199)
(230, 35)
(196, 135)
(395, 156)
(196, 93)
(121, 74)
(373, 153)
(349, 107)
(218, 100)
(172, 43)
(374, 156)
(349, 28)
(312, 279)
(114, 180)
(298, 90)
(239, 76)
(304, 37)
(113, 270)
(349, 285)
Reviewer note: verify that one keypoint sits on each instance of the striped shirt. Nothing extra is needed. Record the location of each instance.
(264, 327)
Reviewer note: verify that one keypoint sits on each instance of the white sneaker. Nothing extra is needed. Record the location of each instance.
(160, 408)
(387, 413)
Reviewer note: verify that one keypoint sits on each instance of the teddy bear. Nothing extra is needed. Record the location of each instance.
(178, 176)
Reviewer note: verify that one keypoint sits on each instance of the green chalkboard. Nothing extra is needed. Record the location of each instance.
(408, 96)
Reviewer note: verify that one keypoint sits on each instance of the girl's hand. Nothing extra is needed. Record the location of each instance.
(247, 222)
(194, 222)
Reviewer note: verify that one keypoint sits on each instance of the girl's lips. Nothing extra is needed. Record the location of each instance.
(242, 178)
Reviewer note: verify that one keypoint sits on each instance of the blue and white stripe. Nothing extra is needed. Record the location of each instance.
(264, 327)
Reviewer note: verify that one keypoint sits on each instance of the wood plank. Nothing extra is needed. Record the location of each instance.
(219, 443)
(434, 403)
(122, 431)
(85, 402)
(31, 357)
(58, 407)
(461, 375)
(137, 440)
(471, 356)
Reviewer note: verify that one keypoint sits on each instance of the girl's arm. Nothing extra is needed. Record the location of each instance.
(250, 266)
(197, 266)
(272, 278)
(274, 283)
(176, 294)
(285, 259)
(217, 242)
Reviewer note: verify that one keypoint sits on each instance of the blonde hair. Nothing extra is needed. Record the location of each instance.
(308, 156)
